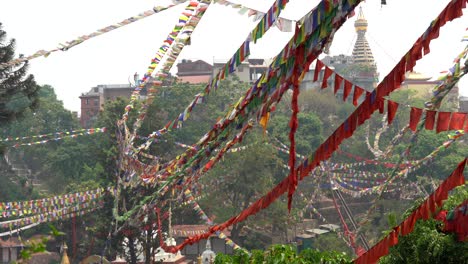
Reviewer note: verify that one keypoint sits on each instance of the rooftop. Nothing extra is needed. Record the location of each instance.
(330, 227)
(416, 76)
(317, 231)
(190, 230)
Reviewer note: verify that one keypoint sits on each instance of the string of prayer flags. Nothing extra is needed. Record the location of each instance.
(181, 39)
(81, 39)
(427, 208)
(367, 161)
(444, 120)
(50, 218)
(282, 24)
(54, 134)
(203, 216)
(168, 43)
(83, 132)
(239, 56)
(50, 215)
(18, 208)
(390, 83)
(320, 216)
(268, 19)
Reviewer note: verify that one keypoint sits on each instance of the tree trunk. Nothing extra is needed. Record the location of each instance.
(132, 250)
(148, 248)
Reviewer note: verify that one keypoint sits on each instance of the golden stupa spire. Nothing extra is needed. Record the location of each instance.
(65, 259)
(361, 23)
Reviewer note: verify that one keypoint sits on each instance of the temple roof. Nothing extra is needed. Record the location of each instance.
(416, 76)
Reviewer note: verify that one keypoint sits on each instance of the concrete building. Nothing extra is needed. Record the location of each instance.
(463, 104)
(248, 71)
(199, 71)
(422, 87)
(93, 101)
(10, 250)
(194, 72)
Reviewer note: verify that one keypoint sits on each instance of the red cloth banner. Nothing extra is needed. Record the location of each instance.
(318, 67)
(427, 208)
(457, 121)
(392, 107)
(443, 121)
(415, 115)
(357, 93)
(430, 119)
(458, 222)
(347, 89)
(328, 72)
(338, 80)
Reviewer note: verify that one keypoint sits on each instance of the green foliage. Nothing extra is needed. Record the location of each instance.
(32, 248)
(38, 247)
(284, 254)
(18, 91)
(329, 242)
(457, 197)
(427, 244)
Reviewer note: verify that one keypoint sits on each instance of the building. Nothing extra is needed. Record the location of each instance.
(307, 239)
(199, 71)
(463, 104)
(181, 232)
(10, 250)
(93, 101)
(194, 72)
(249, 71)
(422, 87)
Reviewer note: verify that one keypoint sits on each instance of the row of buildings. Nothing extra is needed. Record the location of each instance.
(188, 71)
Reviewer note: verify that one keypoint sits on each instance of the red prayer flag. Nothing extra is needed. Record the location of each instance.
(338, 80)
(415, 115)
(381, 103)
(347, 89)
(443, 121)
(430, 119)
(466, 127)
(457, 121)
(357, 93)
(391, 108)
(318, 67)
(328, 72)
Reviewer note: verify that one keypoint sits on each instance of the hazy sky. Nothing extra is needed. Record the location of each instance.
(114, 57)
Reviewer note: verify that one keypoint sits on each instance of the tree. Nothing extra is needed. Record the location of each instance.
(284, 254)
(428, 243)
(238, 181)
(17, 91)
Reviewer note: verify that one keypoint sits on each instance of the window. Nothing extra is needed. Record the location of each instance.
(96, 102)
(87, 101)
